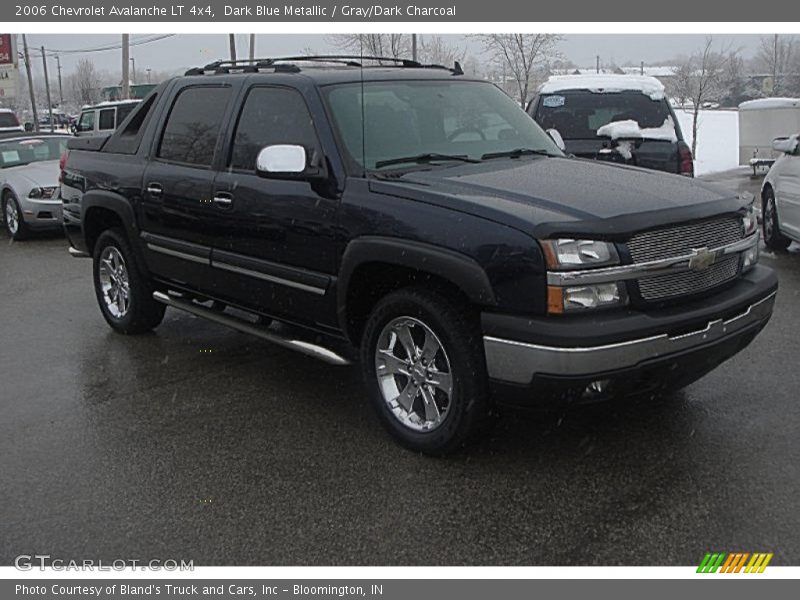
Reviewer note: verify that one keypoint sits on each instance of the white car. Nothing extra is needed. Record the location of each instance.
(780, 195)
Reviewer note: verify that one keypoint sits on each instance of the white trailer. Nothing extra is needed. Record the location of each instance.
(760, 122)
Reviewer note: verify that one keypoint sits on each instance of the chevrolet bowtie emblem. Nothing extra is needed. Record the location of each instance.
(701, 259)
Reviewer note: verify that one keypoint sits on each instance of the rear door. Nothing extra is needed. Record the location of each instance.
(274, 240)
(177, 183)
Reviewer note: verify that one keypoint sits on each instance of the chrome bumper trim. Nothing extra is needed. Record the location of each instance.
(676, 264)
(519, 362)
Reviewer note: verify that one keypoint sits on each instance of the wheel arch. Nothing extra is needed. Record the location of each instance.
(373, 266)
(102, 210)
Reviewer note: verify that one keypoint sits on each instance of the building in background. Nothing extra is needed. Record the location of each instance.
(9, 69)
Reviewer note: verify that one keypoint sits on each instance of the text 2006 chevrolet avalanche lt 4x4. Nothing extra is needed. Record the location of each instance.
(422, 220)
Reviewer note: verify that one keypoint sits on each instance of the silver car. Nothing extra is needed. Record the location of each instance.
(29, 173)
(780, 195)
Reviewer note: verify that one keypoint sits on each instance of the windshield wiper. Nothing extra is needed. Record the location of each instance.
(425, 158)
(516, 153)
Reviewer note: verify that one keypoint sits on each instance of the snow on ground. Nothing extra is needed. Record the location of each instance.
(717, 139)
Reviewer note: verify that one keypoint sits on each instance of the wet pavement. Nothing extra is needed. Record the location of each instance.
(200, 443)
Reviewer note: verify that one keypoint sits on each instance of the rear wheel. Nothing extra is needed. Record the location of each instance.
(423, 365)
(12, 217)
(123, 292)
(773, 238)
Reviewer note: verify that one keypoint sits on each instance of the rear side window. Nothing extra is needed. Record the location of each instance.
(578, 114)
(192, 127)
(106, 120)
(271, 116)
(123, 110)
(8, 119)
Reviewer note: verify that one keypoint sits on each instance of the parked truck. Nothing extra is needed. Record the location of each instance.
(418, 222)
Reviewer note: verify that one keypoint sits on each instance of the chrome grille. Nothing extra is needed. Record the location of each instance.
(680, 240)
(664, 287)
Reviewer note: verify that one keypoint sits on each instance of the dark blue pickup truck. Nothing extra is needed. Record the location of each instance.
(418, 222)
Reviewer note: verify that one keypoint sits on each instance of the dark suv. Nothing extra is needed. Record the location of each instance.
(617, 118)
(420, 223)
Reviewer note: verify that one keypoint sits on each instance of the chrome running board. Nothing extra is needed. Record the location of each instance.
(307, 348)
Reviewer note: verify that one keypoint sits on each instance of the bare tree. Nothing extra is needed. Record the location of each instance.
(523, 57)
(433, 49)
(699, 78)
(776, 56)
(84, 83)
(390, 45)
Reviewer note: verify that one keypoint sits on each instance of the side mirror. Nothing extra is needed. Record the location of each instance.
(553, 133)
(787, 145)
(286, 161)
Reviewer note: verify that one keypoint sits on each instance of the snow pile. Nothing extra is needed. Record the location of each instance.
(605, 84)
(769, 103)
(717, 139)
(630, 129)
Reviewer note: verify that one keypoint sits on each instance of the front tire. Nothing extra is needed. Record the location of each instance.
(12, 218)
(773, 238)
(423, 365)
(123, 292)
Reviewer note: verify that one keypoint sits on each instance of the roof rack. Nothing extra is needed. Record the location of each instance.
(284, 64)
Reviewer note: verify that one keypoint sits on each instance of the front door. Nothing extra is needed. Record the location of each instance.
(274, 240)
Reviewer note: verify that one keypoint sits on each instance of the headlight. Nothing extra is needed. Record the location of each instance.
(585, 297)
(750, 221)
(42, 192)
(564, 254)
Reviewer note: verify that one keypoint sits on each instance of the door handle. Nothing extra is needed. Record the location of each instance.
(223, 199)
(154, 189)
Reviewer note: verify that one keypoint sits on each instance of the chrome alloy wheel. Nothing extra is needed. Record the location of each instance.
(12, 216)
(113, 274)
(769, 217)
(414, 374)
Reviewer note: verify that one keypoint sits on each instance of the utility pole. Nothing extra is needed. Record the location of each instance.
(30, 83)
(126, 83)
(148, 75)
(47, 90)
(641, 68)
(232, 44)
(252, 46)
(133, 70)
(597, 64)
(414, 46)
(60, 89)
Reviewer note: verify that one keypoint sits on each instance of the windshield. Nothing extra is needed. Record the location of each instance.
(22, 152)
(578, 115)
(430, 119)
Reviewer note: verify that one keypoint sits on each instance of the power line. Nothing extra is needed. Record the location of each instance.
(114, 46)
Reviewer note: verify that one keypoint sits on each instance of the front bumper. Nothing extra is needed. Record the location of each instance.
(41, 213)
(740, 314)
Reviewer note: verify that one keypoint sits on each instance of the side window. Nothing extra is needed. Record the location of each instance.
(192, 127)
(106, 120)
(123, 110)
(86, 122)
(271, 116)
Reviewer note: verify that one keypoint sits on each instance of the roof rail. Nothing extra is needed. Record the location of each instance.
(252, 65)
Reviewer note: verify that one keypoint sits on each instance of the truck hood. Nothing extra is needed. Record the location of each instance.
(550, 196)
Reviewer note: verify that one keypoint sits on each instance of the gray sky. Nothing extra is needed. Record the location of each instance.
(176, 53)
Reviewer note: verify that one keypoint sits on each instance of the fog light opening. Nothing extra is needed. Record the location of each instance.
(595, 389)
